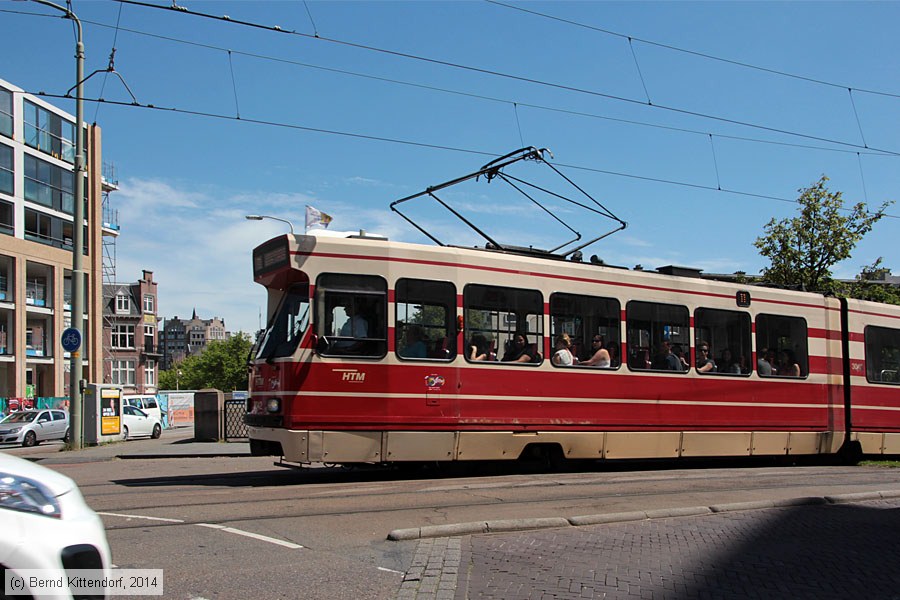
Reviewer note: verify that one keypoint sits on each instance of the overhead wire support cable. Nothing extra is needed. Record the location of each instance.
(237, 106)
(715, 162)
(640, 74)
(510, 76)
(856, 114)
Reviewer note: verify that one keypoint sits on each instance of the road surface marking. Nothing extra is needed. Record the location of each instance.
(106, 514)
(255, 536)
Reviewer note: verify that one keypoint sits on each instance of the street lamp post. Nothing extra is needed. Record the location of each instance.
(77, 365)
(261, 217)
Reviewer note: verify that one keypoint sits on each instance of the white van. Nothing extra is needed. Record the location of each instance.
(146, 402)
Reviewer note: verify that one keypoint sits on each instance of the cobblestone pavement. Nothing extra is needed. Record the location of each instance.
(816, 552)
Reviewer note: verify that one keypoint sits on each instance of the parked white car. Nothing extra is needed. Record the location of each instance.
(137, 423)
(46, 523)
(31, 427)
(146, 402)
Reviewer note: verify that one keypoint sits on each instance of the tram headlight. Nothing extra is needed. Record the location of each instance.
(273, 405)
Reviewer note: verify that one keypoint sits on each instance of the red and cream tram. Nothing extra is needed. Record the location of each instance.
(369, 356)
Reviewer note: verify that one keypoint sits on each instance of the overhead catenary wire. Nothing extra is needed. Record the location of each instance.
(693, 52)
(517, 103)
(376, 138)
(470, 68)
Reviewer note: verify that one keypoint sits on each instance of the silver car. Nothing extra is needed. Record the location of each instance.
(31, 427)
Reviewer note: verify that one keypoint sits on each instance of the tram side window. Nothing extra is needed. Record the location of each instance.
(882, 355)
(504, 323)
(658, 336)
(288, 325)
(351, 315)
(585, 319)
(425, 319)
(782, 348)
(726, 334)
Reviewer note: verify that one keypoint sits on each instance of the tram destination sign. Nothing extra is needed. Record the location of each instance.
(271, 256)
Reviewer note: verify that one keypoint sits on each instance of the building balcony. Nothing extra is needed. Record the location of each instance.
(151, 351)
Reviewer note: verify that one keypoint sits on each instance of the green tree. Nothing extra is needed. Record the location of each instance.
(802, 250)
(223, 366)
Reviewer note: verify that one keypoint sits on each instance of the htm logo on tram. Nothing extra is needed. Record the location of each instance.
(351, 375)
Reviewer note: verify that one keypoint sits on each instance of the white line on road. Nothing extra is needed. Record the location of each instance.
(391, 571)
(106, 514)
(255, 536)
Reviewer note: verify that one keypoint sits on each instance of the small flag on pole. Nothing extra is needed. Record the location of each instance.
(315, 217)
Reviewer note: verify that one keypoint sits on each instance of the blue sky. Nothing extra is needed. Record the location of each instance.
(186, 181)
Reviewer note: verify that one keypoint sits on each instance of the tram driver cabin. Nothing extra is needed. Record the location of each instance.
(367, 359)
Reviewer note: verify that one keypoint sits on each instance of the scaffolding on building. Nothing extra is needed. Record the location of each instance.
(110, 219)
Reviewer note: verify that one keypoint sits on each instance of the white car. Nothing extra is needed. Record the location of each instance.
(137, 423)
(31, 427)
(46, 523)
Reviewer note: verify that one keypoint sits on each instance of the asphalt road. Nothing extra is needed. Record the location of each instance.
(236, 526)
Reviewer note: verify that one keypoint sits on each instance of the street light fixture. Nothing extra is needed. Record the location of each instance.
(77, 364)
(261, 217)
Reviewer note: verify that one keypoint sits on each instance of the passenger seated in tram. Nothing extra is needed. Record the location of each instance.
(787, 366)
(415, 346)
(479, 348)
(521, 351)
(613, 349)
(599, 355)
(563, 351)
(764, 364)
(678, 351)
(704, 363)
(665, 359)
(728, 364)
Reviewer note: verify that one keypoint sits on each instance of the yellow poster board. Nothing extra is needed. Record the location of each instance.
(110, 412)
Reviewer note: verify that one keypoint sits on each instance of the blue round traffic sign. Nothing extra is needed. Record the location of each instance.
(71, 339)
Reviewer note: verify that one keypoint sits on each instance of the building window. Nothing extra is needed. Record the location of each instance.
(7, 218)
(123, 372)
(6, 170)
(38, 227)
(49, 185)
(123, 304)
(150, 373)
(49, 132)
(36, 335)
(149, 304)
(6, 116)
(149, 338)
(123, 336)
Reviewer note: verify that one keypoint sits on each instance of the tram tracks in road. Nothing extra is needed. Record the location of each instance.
(487, 495)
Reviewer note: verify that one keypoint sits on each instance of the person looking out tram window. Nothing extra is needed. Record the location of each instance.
(520, 351)
(599, 355)
(704, 363)
(563, 355)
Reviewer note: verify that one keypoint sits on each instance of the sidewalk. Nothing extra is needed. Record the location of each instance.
(174, 443)
(842, 547)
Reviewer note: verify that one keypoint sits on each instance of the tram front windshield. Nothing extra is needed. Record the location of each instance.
(288, 325)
